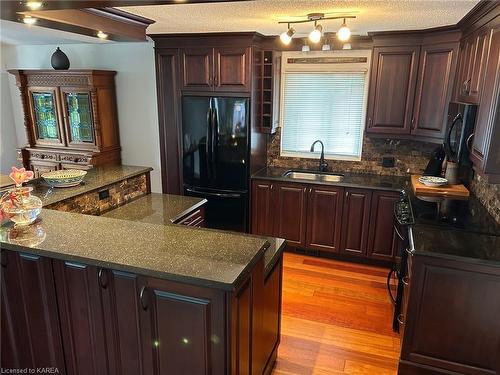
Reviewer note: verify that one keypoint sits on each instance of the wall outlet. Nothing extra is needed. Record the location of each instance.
(388, 161)
(103, 194)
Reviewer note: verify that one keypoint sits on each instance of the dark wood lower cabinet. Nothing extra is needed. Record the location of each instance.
(290, 213)
(324, 215)
(452, 325)
(355, 221)
(349, 221)
(81, 318)
(30, 333)
(87, 320)
(382, 239)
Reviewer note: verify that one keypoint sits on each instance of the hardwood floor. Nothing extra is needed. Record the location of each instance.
(336, 319)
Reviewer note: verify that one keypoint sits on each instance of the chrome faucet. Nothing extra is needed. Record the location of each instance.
(323, 165)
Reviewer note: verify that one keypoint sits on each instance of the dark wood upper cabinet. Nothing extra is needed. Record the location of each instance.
(355, 221)
(382, 241)
(485, 153)
(223, 69)
(198, 68)
(434, 89)
(81, 318)
(290, 213)
(232, 69)
(451, 302)
(324, 215)
(392, 89)
(30, 333)
(473, 55)
(262, 221)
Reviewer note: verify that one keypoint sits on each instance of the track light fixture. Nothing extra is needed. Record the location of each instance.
(286, 37)
(315, 35)
(343, 34)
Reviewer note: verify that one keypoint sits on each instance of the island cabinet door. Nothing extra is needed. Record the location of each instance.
(290, 213)
(81, 318)
(183, 328)
(30, 335)
(324, 215)
(355, 221)
(382, 239)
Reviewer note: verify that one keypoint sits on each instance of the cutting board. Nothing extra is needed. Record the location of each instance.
(459, 191)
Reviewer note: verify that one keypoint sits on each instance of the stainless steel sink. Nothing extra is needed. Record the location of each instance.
(313, 176)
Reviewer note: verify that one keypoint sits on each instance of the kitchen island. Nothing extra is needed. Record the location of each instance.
(101, 295)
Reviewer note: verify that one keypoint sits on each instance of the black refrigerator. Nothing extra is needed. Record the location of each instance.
(215, 147)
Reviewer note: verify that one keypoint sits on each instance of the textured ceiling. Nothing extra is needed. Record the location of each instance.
(263, 15)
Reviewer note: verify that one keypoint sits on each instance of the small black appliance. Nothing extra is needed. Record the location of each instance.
(436, 163)
(459, 132)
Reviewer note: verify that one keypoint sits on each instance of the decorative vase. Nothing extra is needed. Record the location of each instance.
(451, 173)
(20, 206)
(59, 60)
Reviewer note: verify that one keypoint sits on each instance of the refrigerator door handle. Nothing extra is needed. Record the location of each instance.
(208, 142)
(214, 142)
(210, 194)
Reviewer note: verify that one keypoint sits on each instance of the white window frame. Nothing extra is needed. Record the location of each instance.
(325, 68)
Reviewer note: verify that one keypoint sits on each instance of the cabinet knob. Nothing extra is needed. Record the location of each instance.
(370, 122)
(216, 81)
(405, 280)
(413, 123)
(143, 298)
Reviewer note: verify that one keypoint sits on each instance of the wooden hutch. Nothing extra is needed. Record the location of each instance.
(70, 119)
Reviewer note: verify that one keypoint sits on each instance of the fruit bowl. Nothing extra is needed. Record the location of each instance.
(64, 178)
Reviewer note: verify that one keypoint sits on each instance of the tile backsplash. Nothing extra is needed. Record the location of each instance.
(488, 195)
(408, 155)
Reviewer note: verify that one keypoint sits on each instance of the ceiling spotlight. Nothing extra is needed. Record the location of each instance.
(315, 35)
(286, 37)
(101, 35)
(34, 5)
(28, 20)
(344, 33)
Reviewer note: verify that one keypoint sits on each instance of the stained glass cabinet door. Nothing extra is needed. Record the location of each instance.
(45, 112)
(78, 117)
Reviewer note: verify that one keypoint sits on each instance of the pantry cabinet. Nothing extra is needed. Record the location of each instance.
(350, 221)
(70, 119)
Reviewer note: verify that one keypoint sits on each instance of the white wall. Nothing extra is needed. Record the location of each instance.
(135, 91)
(8, 139)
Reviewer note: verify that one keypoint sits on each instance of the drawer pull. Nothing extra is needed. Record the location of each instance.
(143, 298)
(405, 280)
(401, 319)
(102, 284)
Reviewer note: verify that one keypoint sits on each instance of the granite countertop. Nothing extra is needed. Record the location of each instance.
(156, 208)
(357, 180)
(5, 181)
(456, 244)
(164, 209)
(202, 257)
(96, 178)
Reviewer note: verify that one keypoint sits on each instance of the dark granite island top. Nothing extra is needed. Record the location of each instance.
(356, 180)
(156, 208)
(165, 209)
(96, 178)
(201, 257)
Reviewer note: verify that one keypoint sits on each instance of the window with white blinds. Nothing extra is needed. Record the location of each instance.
(329, 106)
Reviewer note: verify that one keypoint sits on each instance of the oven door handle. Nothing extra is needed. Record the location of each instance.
(389, 277)
(397, 232)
